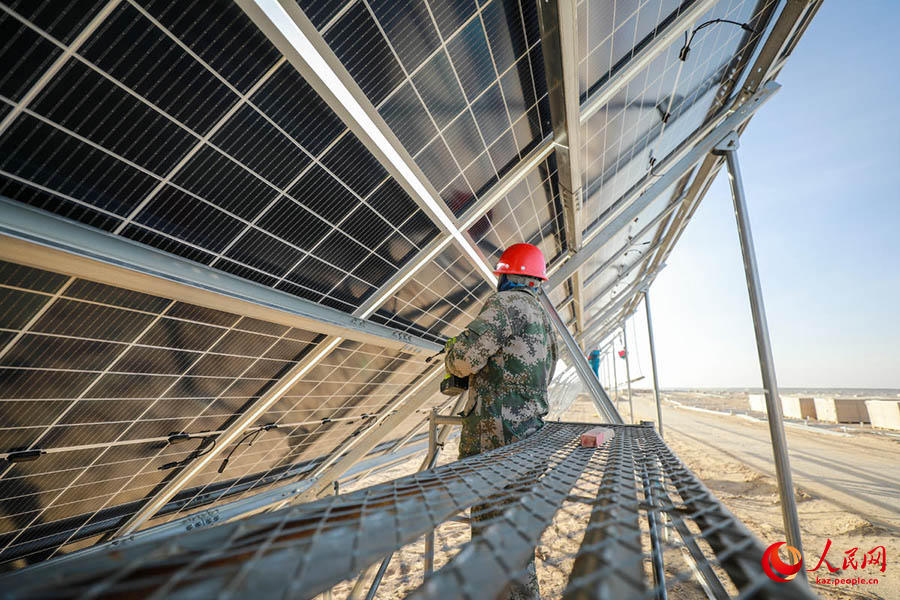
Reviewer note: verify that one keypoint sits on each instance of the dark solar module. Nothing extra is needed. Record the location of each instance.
(353, 290)
(297, 226)
(52, 202)
(481, 174)
(419, 229)
(519, 96)
(83, 101)
(320, 12)
(439, 89)
(315, 275)
(358, 43)
(189, 220)
(437, 164)
(167, 244)
(254, 142)
(341, 251)
(133, 50)
(245, 272)
(113, 296)
(396, 250)
(61, 20)
(350, 162)
(409, 28)
(365, 226)
(393, 203)
(82, 355)
(218, 179)
(503, 25)
(290, 102)
(221, 34)
(95, 321)
(464, 139)
(374, 270)
(472, 59)
(490, 114)
(44, 155)
(407, 118)
(458, 195)
(318, 191)
(504, 153)
(15, 275)
(258, 249)
(24, 54)
(451, 14)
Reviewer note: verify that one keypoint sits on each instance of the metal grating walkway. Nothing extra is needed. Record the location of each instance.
(625, 504)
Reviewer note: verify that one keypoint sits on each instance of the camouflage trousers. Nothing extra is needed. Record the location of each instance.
(524, 585)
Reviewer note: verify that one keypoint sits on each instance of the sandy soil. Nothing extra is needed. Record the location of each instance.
(750, 494)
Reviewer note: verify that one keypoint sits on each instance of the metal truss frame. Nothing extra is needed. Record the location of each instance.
(118, 262)
(38, 239)
(321, 543)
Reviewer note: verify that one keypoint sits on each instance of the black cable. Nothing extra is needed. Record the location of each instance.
(686, 48)
(195, 454)
(253, 435)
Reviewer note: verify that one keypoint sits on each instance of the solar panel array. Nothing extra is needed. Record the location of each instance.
(182, 127)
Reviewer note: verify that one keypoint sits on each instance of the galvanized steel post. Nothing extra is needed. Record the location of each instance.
(653, 362)
(728, 148)
(628, 372)
(602, 402)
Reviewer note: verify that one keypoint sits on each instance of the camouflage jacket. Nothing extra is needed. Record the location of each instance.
(510, 352)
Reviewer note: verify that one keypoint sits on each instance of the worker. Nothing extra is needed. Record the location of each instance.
(509, 353)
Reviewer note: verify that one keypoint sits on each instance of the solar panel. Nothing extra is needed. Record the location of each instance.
(185, 128)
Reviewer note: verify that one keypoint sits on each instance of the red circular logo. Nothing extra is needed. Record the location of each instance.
(777, 569)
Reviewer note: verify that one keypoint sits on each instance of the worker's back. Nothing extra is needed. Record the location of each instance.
(510, 352)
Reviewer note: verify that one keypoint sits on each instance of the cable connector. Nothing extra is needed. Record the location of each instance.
(17, 456)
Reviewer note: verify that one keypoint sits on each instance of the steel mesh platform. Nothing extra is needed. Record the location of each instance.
(600, 518)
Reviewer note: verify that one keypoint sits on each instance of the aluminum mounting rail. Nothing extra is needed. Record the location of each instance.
(38, 239)
(559, 44)
(672, 168)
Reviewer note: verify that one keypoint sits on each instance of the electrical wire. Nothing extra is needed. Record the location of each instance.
(686, 48)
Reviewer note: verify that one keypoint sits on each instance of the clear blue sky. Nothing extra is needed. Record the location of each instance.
(821, 166)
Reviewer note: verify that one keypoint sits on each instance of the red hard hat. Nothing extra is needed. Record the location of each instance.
(522, 259)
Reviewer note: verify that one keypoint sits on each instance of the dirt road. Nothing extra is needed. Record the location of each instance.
(858, 473)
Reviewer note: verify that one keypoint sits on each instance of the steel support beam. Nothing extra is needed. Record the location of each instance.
(391, 417)
(603, 404)
(232, 433)
(559, 42)
(664, 38)
(38, 239)
(629, 292)
(728, 148)
(289, 30)
(673, 167)
(627, 371)
(646, 294)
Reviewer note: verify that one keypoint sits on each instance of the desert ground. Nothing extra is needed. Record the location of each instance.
(847, 487)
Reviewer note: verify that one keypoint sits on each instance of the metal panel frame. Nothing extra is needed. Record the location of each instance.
(559, 42)
(38, 239)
